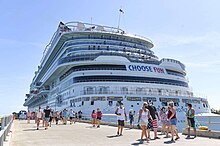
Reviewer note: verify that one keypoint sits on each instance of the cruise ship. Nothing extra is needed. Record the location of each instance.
(87, 66)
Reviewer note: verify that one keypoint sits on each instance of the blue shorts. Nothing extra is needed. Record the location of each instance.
(173, 121)
(47, 119)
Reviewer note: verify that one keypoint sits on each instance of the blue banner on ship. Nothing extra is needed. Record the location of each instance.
(146, 68)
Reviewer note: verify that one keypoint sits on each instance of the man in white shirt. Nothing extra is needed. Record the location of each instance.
(121, 117)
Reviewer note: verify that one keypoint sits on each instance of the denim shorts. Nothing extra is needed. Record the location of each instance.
(173, 121)
(47, 119)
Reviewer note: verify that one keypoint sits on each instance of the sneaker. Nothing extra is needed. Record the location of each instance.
(195, 136)
(117, 133)
(121, 134)
(188, 137)
(37, 128)
(172, 141)
(177, 138)
(157, 138)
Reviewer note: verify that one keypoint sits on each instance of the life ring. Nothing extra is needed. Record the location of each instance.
(203, 128)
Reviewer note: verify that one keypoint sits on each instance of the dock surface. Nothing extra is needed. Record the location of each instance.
(83, 134)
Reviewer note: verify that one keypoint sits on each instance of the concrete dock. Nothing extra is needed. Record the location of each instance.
(83, 134)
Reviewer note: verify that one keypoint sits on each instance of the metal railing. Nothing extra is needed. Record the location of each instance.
(5, 125)
(212, 122)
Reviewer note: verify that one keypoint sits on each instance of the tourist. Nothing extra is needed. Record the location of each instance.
(169, 113)
(163, 118)
(99, 117)
(47, 113)
(93, 115)
(39, 117)
(71, 116)
(173, 121)
(28, 116)
(56, 116)
(74, 117)
(143, 117)
(80, 115)
(131, 118)
(51, 117)
(61, 116)
(121, 117)
(43, 119)
(65, 116)
(152, 123)
(191, 120)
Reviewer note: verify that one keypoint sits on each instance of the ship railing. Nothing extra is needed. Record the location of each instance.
(5, 125)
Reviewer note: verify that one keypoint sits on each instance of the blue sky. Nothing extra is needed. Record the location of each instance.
(185, 30)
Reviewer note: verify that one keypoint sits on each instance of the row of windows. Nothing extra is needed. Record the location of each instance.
(128, 79)
(93, 67)
(113, 48)
(108, 37)
(86, 57)
(106, 42)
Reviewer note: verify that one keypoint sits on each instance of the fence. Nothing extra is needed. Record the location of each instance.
(5, 125)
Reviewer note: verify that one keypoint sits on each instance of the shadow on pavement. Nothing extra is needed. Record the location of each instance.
(112, 136)
(32, 129)
(168, 142)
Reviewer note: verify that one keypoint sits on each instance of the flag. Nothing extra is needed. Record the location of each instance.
(120, 10)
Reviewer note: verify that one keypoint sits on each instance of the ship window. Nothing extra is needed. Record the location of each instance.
(82, 102)
(196, 101)
(137, 103)
(169, 99)
(113, 98)
(153, 99)
(134, 98)
(186, 100)
(132, 105)
(100, 98)
(164, 103)
(176, 103)
(85, 98)
(92, 102)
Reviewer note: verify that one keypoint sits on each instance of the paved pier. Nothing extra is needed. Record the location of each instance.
(83, 134)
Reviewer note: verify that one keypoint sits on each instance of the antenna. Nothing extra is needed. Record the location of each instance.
(119, 18)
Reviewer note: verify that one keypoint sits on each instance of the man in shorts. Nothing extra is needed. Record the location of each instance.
(152, 123)
(47, 113)
(121, 116)
(191, 120)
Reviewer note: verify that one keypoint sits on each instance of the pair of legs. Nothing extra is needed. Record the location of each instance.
(93, 122)
(163, 130)
(71, 120)
(144, 133)
(28, 120)
(46, 122)
(152, 124)
(38, 123)
(194, 130)
(98, 122)
(174, 132)
(120, 127)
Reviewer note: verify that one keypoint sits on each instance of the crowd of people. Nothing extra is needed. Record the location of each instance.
(148, 118)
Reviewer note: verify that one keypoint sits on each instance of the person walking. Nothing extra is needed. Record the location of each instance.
(28, 117)
(143, 117)
(71, 116)
(152, 123)
(191, 120)
(80, 115)
(38, 116)
(131, 118)
(121, 117)
(93, 116)
(47, 114)
(99, 117)
(173, 121)
(163, 118)
(65, 116)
